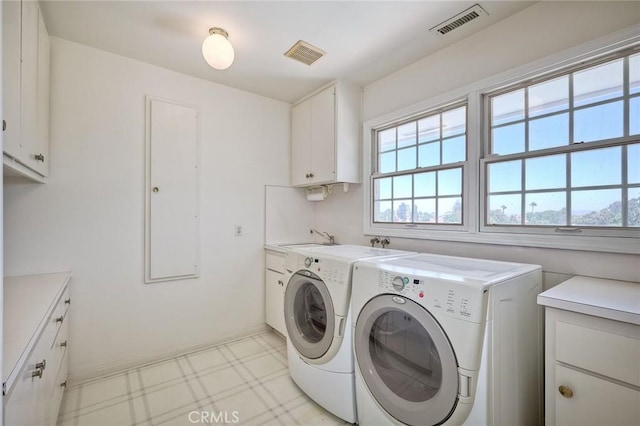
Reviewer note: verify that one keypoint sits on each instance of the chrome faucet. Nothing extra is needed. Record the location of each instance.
(374, 240)
(325, 235)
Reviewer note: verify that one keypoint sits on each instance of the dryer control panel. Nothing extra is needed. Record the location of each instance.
(455, 299)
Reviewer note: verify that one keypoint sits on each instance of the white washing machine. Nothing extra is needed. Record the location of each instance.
(447, 340)
(318, 320)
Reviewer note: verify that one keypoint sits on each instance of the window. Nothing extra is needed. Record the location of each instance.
(544, 155)
(418, 175)
(564, 153)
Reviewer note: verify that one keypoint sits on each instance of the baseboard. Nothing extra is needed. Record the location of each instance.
(118, 367)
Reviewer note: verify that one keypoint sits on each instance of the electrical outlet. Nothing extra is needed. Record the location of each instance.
(238, 230)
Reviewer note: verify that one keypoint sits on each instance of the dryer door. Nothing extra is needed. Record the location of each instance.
(309, 314)
(406, 360)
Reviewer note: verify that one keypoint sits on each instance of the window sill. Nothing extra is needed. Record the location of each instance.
(563, 242)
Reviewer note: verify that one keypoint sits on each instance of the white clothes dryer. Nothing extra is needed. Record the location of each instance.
(447, 340)
(318, 320)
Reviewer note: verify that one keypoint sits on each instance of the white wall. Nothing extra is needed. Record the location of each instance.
(89, 218)
(533, 34)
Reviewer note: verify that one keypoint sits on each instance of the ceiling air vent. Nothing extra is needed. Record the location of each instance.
(459, 20)
(304, 52)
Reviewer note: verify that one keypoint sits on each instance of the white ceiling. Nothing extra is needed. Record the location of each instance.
(364, 40)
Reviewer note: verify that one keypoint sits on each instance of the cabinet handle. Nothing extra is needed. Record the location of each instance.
(63, 344)
(68, 301)
(41, 365)
(60, 319)
(310, 175)
(307, 175)
(155, 189)
(4, 125)
(280, 282)
(39, 157)
(565, 391)
(37, 373)
(63, 384)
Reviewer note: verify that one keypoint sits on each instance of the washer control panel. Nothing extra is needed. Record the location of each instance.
(456, 299)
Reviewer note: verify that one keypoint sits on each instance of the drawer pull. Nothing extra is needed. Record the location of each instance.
(280, 282)
(39, 157)
(41, 365)
(60, 319)
(565, 391)
(63, 384)
(63, 344)
(68, 301)
(37, 373)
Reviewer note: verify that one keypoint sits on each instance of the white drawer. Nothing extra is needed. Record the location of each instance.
(274, 261)
(612, 355)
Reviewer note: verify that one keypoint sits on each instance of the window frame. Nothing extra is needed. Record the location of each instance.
(601, 48)
(571, 147)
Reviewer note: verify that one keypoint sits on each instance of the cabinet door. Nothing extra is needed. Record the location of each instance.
(40, 147)
(594, 401)
(29, 82)
(274, 301)
(11, 12)
(323, 144)
(300, 143)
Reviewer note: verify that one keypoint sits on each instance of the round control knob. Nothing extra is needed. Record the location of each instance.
(308, 261)
(398, 283)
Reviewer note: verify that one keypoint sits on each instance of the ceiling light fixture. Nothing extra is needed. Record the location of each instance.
(217, 50)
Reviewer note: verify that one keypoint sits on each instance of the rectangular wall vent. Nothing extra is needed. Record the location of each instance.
(459, 20)
(304, 52)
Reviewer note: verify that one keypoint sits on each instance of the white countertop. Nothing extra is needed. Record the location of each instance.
(611, 299)
(28, 302)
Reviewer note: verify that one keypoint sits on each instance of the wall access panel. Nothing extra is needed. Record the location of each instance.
(171, 246)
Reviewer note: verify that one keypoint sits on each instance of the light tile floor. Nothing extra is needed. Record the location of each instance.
(244, 382)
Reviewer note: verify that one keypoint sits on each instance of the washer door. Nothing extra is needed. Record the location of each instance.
(309, 314)
(406, 360)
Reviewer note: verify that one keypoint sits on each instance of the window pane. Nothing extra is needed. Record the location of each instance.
(508, 139)
(634, 207)
(546, 208)
(454, 122)
(507, 108)
(453, 150)
(633, 161)
(402, 211)
(382, 211)
(382, 188)
(549, 132)
(424, 211)
(598, 83)
(634, 74)
(387, 140)
(450, 182)
(402, 186)
(600, 122)
(387, 162)
(425, 184)
(546, 172)
(504, 209)
(407, 159)
(450, 210)
(407, 135)
(548, 97)
(596, 167)
(505, 176)
(429, 154)
(429, 128)
(634, 116)
(596, 208)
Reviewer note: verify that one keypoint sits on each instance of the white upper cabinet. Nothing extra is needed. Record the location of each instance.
(325, 137)
(25, 85)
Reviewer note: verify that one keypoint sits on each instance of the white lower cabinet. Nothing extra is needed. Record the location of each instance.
(274, 291)
(592, 353)
(35, 359)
